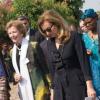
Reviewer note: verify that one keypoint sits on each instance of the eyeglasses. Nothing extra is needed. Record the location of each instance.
(48, 29)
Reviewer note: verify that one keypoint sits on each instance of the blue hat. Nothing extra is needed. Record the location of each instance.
(89, 13)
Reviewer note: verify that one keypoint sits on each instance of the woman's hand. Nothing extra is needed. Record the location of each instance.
(17, 77)
(52, 94)
(91, 93)
(90, 90)
(89, 52)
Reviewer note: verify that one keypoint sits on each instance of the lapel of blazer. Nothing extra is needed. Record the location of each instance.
(30, 55)
(29, 65)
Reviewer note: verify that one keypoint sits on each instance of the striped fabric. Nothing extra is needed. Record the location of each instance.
(3, 89)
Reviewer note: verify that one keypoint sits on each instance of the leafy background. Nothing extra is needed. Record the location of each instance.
(69, 9)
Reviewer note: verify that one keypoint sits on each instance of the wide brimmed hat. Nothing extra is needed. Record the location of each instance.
(89, 13)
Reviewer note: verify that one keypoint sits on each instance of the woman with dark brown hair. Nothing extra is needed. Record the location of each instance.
(91, 40)
(66, 57)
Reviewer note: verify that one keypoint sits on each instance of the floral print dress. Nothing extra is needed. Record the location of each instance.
(94, 57)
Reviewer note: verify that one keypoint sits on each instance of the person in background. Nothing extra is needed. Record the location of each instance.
(31, 72)
(92, 45)
(7, 60)
(32, 34)
(67, 59)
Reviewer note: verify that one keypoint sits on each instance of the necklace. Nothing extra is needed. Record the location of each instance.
(19, 49)
(93, 36)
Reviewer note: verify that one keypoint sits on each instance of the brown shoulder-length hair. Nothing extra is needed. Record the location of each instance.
(17, 24)
(54, 17)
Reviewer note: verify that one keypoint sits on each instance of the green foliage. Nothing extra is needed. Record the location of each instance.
(30, 8)
(3, 13)
(69, 9)
(3, 20)
(6, 13)
(22, 6)
(75, 6)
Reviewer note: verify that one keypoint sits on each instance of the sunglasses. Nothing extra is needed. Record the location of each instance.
(48, 29)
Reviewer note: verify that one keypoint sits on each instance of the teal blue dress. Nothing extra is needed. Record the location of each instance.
(94, 58)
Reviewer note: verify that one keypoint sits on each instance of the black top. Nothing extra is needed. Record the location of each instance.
(73, 54)
(69, 67)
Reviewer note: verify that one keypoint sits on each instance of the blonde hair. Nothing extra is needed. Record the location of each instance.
(54, 17)
(18, 24)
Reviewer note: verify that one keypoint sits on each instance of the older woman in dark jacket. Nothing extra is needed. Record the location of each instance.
(31, 72)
